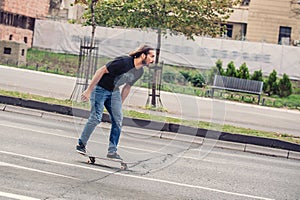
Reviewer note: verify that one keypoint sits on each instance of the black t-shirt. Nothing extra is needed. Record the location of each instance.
(121, 70)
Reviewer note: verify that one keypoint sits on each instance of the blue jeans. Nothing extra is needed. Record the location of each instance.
(112, 101)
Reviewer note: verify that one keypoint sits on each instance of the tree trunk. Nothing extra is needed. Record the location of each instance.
(88, 69)
(154, 81)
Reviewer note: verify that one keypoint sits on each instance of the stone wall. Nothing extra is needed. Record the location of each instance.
(12, 53)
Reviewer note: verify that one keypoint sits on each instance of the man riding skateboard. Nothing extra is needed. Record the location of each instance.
(103, 91)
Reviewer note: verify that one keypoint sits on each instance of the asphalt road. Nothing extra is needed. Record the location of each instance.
(180, 106)
(38, 161)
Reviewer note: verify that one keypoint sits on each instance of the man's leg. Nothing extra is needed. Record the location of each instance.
(114, 107)
(98, 97)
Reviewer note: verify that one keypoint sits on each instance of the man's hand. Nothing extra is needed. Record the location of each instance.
(85, 96)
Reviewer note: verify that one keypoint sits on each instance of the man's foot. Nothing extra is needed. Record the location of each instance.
(80, 148)
(114, 155)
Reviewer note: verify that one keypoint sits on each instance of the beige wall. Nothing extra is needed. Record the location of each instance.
(266, 16)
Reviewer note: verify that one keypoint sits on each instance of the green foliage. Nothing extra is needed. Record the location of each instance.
(216, 70)
(159, 109)
(292, 101)
(257, 76)
(185, 17)
(219, 65)
(231, 70)
(180, 79)
(169, 77)
(186, 74)
(197, 80)
(211, 75)
(243, 72)
(296, 90)
(271, 85)
(285, 86)
(59, 63)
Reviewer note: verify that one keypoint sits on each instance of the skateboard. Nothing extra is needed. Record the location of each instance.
(92, 160)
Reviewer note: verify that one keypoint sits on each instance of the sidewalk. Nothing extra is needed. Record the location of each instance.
(180, 106)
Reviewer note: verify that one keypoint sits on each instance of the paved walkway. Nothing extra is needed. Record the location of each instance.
(180, 106)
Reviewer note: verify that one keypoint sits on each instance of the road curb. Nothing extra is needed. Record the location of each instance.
(267, 146)
(266, 151)
(2, 106)
(294, 155)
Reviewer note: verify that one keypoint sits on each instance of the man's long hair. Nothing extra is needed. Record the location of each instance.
(143, 49)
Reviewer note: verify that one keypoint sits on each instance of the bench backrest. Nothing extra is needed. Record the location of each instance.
(226, 82)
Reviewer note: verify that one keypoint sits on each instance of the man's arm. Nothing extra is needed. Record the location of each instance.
(97, 76)
(125, 91)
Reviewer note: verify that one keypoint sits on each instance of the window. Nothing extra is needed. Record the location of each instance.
(244, 31)
(16, 20)
(7, 50)
(228, 30)
(25, 40)
(10, 37)
(23, 52)
(284, 35)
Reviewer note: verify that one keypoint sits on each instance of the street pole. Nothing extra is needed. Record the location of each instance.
(154, 81)
(88, 69)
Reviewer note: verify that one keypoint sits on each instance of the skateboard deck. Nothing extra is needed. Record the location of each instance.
(92, 160)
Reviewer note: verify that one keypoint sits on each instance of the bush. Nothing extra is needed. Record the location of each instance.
(271, 85)
(180, 79)
(243, 72)
(186, 74)
(197, 80)
(169, 77)
(257, 76)
(219, 65)
(231, 71)
(215, 71)
(285, 86)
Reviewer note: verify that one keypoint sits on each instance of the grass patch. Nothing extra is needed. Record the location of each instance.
(160, 118)
(58, 63)
(292, 101)
(28, 96)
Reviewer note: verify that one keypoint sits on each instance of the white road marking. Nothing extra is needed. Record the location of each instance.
(16, 196)
(35, 170)
(128, 147)
(37, 131)
(139, 177)
(69, 137)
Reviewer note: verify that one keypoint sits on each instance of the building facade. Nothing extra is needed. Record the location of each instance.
(17, 19)
(276, 22)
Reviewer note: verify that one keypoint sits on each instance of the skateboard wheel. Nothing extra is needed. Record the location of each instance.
(92, 160)
(123, 166)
